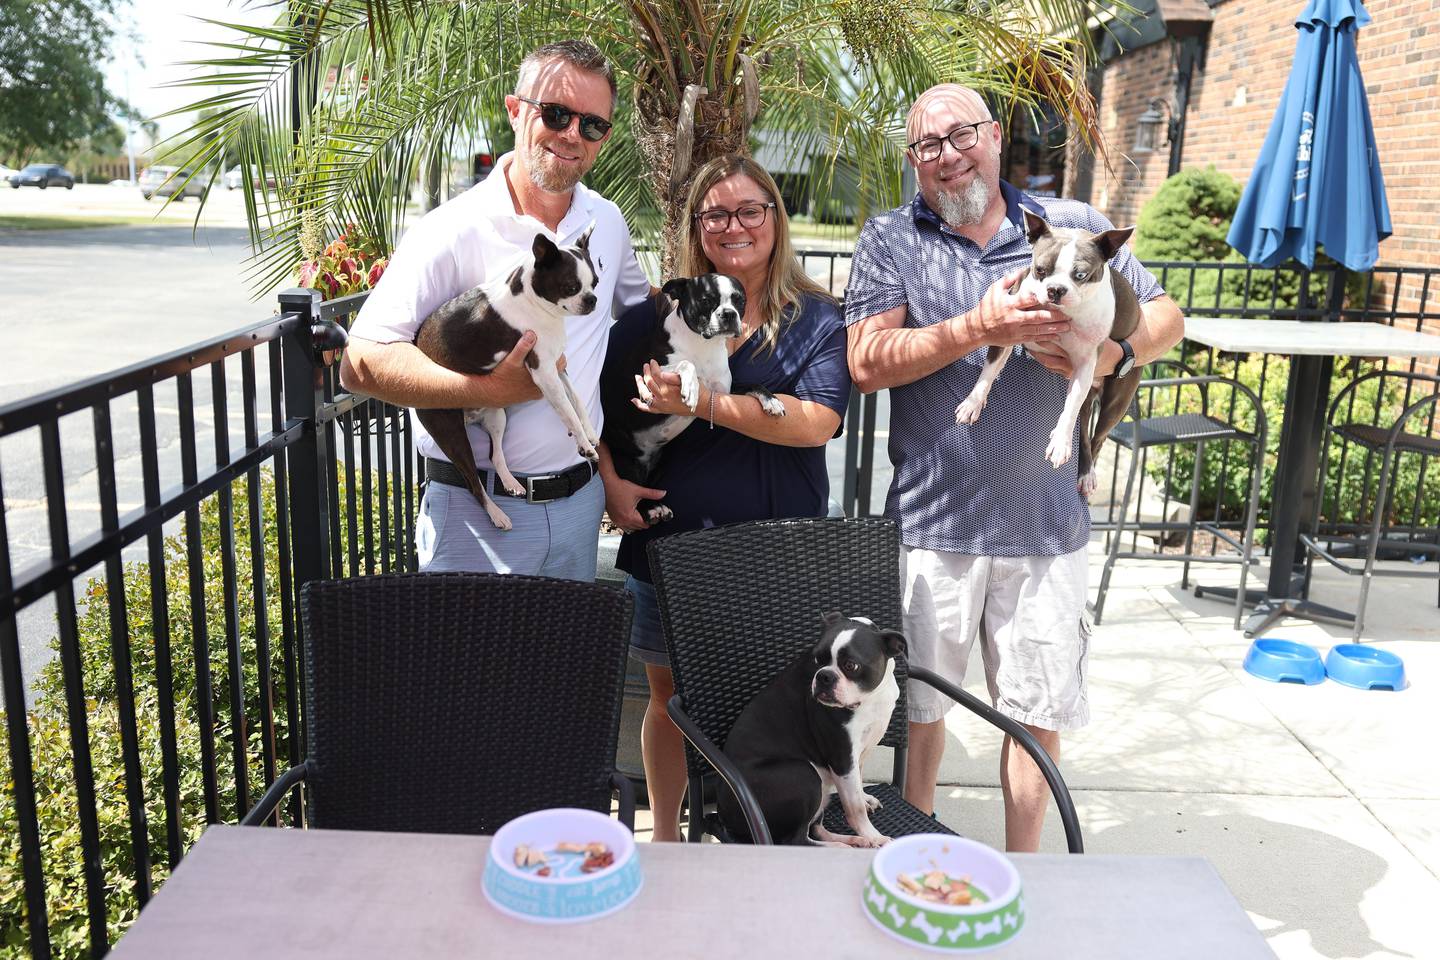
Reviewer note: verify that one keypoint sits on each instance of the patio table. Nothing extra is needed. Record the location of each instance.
(262, 892)
(1311, 345)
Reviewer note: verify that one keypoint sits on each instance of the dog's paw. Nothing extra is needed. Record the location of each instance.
(642, 391)
(658, 514)
(872, 802)
(587, 451)
(870, 842)
(512, 485)
(690, 393)
(969, 410)
(1059, 449)
(497, 516)
(1088, 483)
(771, 405)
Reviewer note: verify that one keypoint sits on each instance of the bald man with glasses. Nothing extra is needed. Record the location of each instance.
(994, 538)
(560, 112)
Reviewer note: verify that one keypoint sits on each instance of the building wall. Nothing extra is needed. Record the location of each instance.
(1235, 92)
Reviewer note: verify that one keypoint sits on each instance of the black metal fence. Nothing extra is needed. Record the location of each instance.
(174, 698)
(327, 482)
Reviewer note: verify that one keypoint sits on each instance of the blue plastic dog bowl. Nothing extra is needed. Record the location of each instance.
(1284, 661)
(1365, 667)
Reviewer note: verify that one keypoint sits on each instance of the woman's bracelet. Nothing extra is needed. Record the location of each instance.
(712, 409)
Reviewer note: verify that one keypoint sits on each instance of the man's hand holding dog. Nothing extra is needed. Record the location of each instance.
(1002, 318)
(510, 381)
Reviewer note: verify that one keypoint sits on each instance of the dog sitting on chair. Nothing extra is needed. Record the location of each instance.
(473, 332)
(807, 734)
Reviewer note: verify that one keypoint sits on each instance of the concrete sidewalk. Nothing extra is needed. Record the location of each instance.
(1318, 805)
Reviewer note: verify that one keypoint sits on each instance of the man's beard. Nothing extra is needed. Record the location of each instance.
(964, 207)
(542, 168)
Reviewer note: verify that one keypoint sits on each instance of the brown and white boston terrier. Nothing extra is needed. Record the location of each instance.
(1070, 270)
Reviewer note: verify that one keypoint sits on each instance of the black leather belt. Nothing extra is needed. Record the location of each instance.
(538, 489)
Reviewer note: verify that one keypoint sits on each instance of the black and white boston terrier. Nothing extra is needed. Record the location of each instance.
(1070, 270)
(474, 331)
(694, 316)
(808, 732)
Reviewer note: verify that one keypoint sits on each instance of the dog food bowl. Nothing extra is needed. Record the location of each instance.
(1365, 667)
(567, 895)
(1284, 661)
(994, 916)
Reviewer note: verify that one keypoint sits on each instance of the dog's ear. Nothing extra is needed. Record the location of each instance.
(672, 288)
(584, 241)
(1035, 226)
(1111, 241)
(894, 642)
(544, 249)
(831, 618)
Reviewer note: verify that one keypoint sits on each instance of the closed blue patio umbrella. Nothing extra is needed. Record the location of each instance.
(1317, 179)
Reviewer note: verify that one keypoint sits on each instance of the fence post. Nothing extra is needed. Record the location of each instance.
(307, 460)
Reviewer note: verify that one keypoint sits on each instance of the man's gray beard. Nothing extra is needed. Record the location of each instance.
(539, 165)
(961, 209)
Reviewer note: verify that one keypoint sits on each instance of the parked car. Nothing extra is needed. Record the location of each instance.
(43, 175)
(170, 181)
(232, 178)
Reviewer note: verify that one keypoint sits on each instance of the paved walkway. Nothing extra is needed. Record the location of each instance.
(1320, 806)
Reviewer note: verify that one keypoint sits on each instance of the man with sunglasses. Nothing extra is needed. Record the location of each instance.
(560, 112)
(994, 538)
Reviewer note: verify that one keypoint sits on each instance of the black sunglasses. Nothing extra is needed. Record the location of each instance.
(556, 116)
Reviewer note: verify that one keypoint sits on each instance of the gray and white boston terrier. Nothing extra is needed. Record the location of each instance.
(1070, 270)
(808, 732)
(474, 331)
(694, 316)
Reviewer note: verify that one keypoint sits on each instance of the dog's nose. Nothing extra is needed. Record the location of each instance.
(1055, 294)
(824, 680)
(588, 302)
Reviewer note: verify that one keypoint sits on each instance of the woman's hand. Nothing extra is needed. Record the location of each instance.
(659, 392)
(621, 496)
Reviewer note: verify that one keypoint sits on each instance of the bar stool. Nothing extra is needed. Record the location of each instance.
(1388, 443)
(1141, 433)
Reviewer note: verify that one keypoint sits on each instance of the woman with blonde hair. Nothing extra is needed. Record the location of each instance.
(735, 462)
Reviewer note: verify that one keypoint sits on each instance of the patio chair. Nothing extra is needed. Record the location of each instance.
(738, 603)
(1209, 426)
(453, 702)
(1388, 443)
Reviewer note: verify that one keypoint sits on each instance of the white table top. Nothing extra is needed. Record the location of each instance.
(259, 892)
(1291, 337)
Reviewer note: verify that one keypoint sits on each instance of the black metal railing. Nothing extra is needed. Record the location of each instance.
(335, 475)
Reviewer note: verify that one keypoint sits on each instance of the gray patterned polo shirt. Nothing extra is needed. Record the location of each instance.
(985, 489)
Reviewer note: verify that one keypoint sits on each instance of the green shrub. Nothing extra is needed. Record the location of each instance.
(57, 806)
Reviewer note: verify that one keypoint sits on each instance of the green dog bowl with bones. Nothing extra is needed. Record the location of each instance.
(995, 914)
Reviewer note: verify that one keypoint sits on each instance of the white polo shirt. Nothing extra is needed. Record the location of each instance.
(476, 237)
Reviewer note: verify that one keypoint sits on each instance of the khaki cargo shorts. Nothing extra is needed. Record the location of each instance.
(1029, 614)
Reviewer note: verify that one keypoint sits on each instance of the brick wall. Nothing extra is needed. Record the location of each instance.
(1237, 87)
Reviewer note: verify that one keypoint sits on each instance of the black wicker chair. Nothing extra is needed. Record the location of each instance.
(453, 702)
(738, 603)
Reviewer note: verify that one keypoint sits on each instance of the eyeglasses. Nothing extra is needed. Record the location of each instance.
(718, 220)
(961, 138)
(556, 116)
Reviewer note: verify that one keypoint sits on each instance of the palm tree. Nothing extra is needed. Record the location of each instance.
(341, 100)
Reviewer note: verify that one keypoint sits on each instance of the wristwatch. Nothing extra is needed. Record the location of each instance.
(1127, 359)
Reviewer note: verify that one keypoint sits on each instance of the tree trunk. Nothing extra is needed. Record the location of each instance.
(718, 129)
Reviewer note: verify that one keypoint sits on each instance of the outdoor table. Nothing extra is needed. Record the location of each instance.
(264, 892)
(1311, 345)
